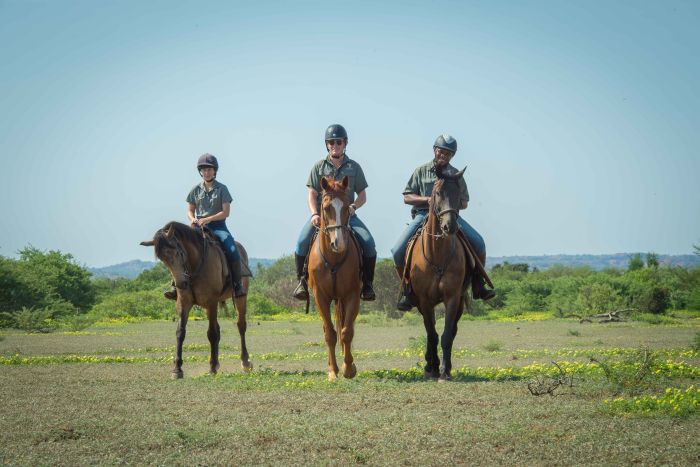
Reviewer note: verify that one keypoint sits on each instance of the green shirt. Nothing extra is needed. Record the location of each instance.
(208, 203)
(423, 179)
(356, 177)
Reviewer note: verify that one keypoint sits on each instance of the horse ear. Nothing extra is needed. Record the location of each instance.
(147, 243)
(169, 233)
(344, 183)
(461, 172)
(324, 184)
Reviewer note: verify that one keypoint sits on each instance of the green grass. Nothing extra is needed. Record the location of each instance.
(103, 395)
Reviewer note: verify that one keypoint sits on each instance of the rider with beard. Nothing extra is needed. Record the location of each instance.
(337, 165)
(209, 204)
(417, 194)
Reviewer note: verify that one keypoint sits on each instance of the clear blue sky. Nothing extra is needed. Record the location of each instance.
(578, 120)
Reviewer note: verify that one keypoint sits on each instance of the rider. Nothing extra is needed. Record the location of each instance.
(417, 194)
(209, 204)
(337, 165)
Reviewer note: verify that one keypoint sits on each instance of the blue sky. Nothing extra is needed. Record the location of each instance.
(577, 121)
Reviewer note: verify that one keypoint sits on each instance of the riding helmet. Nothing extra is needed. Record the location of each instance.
(207, 160)
(336, 131)
(446, 141)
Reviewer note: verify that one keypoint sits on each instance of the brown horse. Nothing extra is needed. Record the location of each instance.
(334, 274)
(439, 269)
(199, 269)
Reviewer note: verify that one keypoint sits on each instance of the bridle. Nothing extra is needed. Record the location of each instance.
(180, 251)
(439, 270)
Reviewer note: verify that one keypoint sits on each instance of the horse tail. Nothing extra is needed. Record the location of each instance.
(339, 318)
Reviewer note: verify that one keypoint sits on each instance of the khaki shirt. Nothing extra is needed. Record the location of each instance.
(356, 177)
(423, 179)
(208, 203)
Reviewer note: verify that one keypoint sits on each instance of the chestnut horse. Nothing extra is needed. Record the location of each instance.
(439, 269)
(334, 274)
(199, 269)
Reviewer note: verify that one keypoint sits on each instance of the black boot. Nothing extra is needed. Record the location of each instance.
(302, 290)
(367, 278)
(238, 290)
(172, 293)
(479, 290)
(405, 303)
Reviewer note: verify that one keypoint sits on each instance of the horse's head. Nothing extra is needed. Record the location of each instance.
(445, 200)
(171, 252)
(335, 212)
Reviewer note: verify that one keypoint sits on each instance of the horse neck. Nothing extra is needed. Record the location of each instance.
(193, 255)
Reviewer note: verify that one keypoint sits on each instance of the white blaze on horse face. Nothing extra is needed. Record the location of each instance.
(338, 206)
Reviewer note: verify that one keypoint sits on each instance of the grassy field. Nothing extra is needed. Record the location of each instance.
(104, 396)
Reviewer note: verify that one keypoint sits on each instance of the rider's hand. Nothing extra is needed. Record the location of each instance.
(316, 220)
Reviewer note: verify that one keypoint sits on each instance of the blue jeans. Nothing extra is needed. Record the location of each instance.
(358, 227)
(399, 250)
(219, 229)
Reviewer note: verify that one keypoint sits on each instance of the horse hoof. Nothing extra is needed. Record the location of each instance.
(177, 374)
(349, 372)
(247, 366)
(430, 374)
(444, 378)
(332, 376)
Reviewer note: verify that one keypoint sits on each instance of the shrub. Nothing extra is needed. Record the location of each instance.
(144, 303)
(31, 320)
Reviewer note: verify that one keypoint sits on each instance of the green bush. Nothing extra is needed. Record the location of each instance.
(31, 320)
(142, 303)
(261, 305)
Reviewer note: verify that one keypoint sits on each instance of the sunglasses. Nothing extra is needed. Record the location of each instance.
(335, 142)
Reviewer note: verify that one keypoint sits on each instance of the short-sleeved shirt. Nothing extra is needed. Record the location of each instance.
(208, 203)
(356, 177)
(424, 177)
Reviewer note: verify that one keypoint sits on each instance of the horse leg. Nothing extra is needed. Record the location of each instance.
(432, 367)
(453, 311)
(351, 308)
(241, 305)
(214, 335)
(183, 312)
(324, 309)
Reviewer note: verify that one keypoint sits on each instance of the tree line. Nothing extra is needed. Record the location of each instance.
(44, 290)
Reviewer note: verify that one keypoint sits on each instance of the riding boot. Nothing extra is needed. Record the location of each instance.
(236, 282)
(404, 303)
(172, 293)
(479, 290)
(302, 290)
(368, 264)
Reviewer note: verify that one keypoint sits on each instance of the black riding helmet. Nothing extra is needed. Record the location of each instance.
(446, 141)
(207, 160)
(336, 131)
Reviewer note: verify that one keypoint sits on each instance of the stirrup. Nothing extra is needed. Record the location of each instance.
(368, 294)
(404, 303)
(171, 294)
(302, 290)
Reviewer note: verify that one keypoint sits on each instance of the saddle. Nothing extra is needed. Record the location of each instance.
(213, 241)
(462, 242)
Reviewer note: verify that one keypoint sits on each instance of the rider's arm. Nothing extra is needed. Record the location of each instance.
(190, 212)
(361, 199)
(311, 201)
(416, 200)
(219, 216)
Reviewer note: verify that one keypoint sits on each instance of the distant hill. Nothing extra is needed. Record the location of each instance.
(131, 269)
(596, 262)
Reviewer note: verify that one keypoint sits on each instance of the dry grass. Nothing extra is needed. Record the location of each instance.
(132, 413)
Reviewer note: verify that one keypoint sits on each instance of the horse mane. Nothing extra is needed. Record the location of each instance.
(180, 230)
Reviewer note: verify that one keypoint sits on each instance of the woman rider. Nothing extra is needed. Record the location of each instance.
(337, 165)
(209, 204)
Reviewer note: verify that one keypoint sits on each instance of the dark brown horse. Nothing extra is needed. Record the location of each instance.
(334, 274)
(439, 269)
(199, 269)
